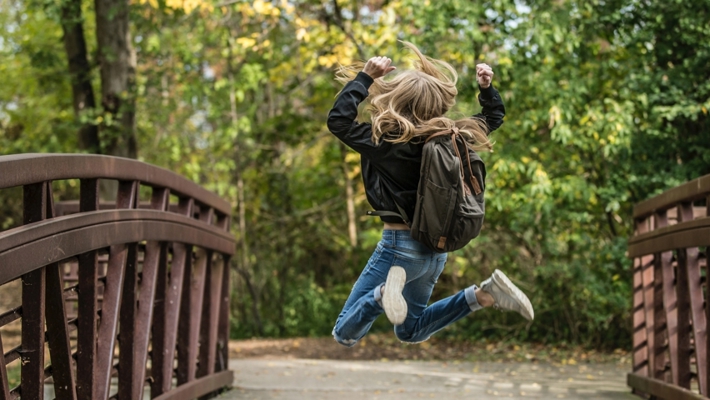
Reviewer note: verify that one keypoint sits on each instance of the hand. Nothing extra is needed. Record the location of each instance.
(378, 67)
(484, 75)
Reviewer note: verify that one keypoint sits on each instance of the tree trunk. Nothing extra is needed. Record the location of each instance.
(80, 72)
(244, 268)
(349, 198)
(117, 62)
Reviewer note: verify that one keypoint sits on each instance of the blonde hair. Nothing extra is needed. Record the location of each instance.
(412, 104)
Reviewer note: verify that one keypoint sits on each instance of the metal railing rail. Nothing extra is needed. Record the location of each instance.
(670, 312)
(151, 288)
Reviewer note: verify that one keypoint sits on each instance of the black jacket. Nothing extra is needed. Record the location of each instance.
(391, 171)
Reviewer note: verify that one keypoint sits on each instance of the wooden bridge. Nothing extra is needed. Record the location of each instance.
(117, 299)
(670, 314)
(128, 299)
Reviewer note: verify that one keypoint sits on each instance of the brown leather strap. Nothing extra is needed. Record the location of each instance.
(474, 181)
(455, 145)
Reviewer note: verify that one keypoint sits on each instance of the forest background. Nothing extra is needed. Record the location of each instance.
(607, 104)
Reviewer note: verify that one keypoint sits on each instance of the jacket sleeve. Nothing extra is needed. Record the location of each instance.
(493, 108)
(342, 117)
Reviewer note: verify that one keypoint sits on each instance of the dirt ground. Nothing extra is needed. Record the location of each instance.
(387, 347)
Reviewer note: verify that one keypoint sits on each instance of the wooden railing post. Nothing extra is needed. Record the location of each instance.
(165, 330)
(87, 307)
(59, 342)
(121, 268)
(665, 316)
(4, 384)
(191, 316)
(210, 313)
(139, 310)
(683, 320)
(643, 310)
(223, 340)
(33, 302)
(688, 261)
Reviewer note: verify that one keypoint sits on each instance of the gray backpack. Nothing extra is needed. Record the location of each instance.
(450, 206)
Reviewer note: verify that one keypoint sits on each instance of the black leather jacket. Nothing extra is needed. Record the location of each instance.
(391, 171)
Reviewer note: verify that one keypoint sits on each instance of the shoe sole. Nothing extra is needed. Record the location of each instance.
(392, 300)
(507, 286)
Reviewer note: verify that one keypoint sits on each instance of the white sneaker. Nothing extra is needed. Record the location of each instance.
(392, 300)
(507, 296)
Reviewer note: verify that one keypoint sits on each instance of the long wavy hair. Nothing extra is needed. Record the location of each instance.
(411, 105)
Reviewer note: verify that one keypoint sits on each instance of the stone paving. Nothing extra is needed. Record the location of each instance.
(292, 379)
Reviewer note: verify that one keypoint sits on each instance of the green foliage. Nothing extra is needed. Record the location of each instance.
(35, 98)
(607, 104)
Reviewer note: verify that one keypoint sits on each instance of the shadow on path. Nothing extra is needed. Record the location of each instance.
(291, 379)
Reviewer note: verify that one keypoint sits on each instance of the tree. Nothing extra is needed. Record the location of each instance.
(117, 64)
(80, 74)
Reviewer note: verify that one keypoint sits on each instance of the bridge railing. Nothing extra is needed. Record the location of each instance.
(669, 251)
(150, 287)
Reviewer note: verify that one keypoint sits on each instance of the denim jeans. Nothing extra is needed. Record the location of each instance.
(423, 268)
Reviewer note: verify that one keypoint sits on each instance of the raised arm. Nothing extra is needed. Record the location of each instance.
(342, 117)
(493, 107)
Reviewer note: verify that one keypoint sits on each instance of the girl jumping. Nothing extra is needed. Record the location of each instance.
(401, 273)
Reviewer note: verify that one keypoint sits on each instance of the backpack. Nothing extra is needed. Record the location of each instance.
(450, 206)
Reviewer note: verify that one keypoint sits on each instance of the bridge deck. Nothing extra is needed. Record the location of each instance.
(291, 379)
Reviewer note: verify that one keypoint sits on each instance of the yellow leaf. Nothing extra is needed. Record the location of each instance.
(555, 114)
(351, 156)
(505, 61)
(262, 7)
(302, 34)
(246, 42)
(301, 23)
(190, 5)
(288, 8)
(258, 6)
(246, 10)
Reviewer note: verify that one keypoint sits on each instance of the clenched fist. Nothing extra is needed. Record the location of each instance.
(484, 75)
(378, 67)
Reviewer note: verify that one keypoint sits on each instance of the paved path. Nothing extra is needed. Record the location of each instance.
(296, 379)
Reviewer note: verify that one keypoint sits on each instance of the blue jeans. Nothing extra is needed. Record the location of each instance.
(423, 268)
